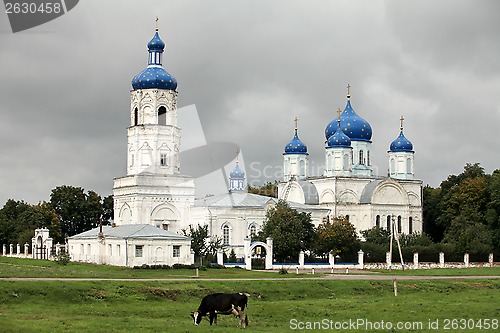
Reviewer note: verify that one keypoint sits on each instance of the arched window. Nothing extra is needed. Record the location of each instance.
(408, 166)
(302, 168)
(136, 117)
(162, 115)
(225, 235)
(361, 158)
(377, 221)
(392, 166)
(410, 225)
(368, 157)
(389, 223)
(346, 162)
(399, 224)
(347, 218)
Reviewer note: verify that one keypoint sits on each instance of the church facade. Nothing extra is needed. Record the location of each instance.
(348, 186)
(155, 192)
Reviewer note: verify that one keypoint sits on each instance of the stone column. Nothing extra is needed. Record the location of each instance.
(220, 257)
(269, 254)
(441, 259)
(466, 260)
(247, 254)
(490, 259)
(361, 259)
(331, 259)
(388, 260)
(26, 249)
(416, 265)
(18, 249)
(301, 259)
(4, 249)
(11, 249)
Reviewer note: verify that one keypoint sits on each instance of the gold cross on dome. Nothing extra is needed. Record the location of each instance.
(339, 112)
(348, 89)
(296, 120)
(157, 23)
(401, 119)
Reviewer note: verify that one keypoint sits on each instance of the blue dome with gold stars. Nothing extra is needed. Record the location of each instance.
(156, 44)
(401, 144)
(339, 139)
(154, 76)
(237, 173)
(295, 146)
(355, 127)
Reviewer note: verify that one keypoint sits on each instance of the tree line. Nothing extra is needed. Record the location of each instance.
(70, 211)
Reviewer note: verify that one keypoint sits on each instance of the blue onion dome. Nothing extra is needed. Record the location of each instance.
(156, 44)
(154, 76)
(295, 146)
(401, 144)
(237, 173)
(339, 139)
(355, 127)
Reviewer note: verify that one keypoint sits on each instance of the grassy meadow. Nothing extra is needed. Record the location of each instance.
(274, 305)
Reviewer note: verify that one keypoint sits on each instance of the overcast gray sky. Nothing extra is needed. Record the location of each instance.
(250, 67)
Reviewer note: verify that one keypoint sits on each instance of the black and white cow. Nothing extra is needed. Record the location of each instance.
(220, 303)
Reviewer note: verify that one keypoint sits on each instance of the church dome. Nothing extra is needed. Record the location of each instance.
(154, 76)
(237, 173)
(401, 144)
(156, 44)
(339, 139)
(295, 146)
(355, 127)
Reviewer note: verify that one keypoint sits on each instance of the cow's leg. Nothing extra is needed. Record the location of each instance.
(243, 322)
(215, 318)
(212, 317)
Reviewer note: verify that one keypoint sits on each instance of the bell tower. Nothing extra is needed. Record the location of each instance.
(154, 191)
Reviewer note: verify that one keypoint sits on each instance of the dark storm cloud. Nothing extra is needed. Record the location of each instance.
(250, 67)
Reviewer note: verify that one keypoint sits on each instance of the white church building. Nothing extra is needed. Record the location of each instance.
(154, 191)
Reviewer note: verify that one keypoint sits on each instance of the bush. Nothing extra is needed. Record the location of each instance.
(282, 271)
(63, 258)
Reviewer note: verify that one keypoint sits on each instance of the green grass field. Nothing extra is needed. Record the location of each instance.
(274, 305)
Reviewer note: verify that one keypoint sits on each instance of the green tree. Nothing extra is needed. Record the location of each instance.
(198, 235)
(290, 230)
(78, 211)
(338, 237)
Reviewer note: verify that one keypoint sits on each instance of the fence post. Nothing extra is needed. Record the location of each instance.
(26, 249)
(301, 259)
(441, 259)
(4, 249)
(220, 258)
(361, 259)
(388, 260)
(11, 248)
(466, 260)
(490, 259)
(415, 261)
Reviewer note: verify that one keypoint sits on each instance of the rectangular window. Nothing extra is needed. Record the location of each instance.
(163, 159)
(118, 250)
(110, 247)
(138, 250)
(177, 251)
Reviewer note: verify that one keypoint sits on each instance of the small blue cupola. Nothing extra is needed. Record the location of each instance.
(154, 76)
(295, 146)
(401, 143)
(338, 139)
(237, 178)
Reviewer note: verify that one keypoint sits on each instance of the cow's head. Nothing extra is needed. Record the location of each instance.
(196, 317)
